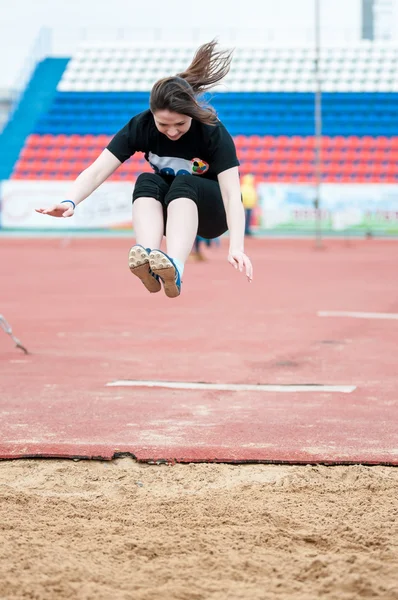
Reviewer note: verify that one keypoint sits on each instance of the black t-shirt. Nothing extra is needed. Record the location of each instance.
(204, 150)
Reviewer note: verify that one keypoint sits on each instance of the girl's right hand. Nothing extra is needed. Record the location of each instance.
(58, 210)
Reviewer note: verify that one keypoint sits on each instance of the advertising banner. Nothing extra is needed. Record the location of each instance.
(107, 208)
(346, 207)
(361, 208)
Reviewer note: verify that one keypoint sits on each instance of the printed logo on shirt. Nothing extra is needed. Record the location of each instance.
(170, 165)
(199, 166)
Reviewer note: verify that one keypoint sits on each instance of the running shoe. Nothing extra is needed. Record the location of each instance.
(139, 266)
(164, 267)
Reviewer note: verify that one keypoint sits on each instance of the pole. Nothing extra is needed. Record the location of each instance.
(318, 129)
(368, 30)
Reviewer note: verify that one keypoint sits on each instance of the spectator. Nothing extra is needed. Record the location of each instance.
(250, 198)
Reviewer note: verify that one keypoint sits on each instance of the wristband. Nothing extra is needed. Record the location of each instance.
(71, 201)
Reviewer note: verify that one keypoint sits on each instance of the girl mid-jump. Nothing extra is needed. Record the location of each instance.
(195, 187)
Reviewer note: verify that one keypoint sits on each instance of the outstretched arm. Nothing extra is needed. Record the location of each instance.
(85, 184)
(231, 195)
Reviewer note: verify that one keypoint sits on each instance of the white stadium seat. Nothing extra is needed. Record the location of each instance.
(122, 66)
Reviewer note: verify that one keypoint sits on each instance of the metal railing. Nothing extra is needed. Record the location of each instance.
(41, 49)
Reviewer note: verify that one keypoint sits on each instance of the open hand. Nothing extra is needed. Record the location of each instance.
(239, 260)
(58, 210)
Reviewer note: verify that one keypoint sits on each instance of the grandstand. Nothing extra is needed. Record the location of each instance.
(71, 108)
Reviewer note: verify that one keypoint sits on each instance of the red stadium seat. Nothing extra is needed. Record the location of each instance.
(382, 142)
(252, 155)
(34, 138)
(59, 141)
(87, 140)
(307, 143)
(297, 141)
(75, 140)
(68, 153)
(240, 141)
(28, 153)
(280, 141)
(280, 158)
(306, 155)
(47, 140)
(367, 142)
(338, 142)
(351, 142)
(257, 141)
(103, 140)
(362, 170)
(390, 169)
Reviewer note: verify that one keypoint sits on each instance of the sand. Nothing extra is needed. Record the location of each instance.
(122, 530)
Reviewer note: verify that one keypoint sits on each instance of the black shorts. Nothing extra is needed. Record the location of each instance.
(204, 192)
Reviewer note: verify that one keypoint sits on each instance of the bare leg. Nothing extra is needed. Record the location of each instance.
(148, 222)
(182, 228)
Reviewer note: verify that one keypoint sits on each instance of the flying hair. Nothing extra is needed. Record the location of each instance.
(180, 93)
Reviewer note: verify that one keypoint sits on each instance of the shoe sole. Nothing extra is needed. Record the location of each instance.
(163, 267)
(139, 266)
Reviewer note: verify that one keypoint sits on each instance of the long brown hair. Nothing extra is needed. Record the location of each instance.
(180, 93)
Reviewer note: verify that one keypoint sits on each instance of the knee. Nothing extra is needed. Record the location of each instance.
(182, 183)
(182, 187)
(145, 177)
(149, 185)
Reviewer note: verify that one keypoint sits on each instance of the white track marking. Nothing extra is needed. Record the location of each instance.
(232, 387)
(356, 315)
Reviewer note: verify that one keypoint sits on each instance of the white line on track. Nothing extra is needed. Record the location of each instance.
(232, 387)
(356, 315)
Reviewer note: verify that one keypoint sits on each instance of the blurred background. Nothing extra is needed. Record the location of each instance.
(311, 101)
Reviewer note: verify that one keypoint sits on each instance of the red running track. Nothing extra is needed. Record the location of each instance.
(87, 322)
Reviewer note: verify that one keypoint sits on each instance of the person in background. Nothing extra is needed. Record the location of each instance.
(196, 254)
(250, 198)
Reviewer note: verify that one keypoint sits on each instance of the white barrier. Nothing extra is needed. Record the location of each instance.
(282, 207)
(108, 207)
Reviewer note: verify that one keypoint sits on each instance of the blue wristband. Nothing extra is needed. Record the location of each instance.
(71, 201)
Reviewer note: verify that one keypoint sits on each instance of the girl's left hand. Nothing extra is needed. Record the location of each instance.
(239, 260)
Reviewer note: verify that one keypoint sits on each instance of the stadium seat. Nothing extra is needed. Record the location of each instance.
(267, 103)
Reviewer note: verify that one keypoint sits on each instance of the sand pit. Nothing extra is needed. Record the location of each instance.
(124, 531)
